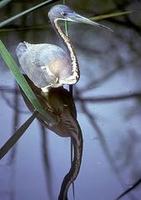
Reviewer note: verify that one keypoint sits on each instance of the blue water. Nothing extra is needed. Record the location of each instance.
(111, 157)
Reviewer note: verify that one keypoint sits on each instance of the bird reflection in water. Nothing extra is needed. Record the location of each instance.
(60, 103)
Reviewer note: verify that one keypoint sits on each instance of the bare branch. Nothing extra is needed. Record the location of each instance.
(108, 99)
(136, 184)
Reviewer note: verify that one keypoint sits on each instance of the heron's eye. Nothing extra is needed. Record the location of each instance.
(63, 14)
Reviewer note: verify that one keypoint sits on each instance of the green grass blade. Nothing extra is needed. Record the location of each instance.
(23, 83)
(26, 12)
(110, 15)
(4, 3)
(65, 22)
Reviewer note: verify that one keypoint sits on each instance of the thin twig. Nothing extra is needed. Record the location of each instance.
(136, 184)
(26, 12)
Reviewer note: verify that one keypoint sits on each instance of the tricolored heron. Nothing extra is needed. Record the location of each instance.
(48, 65)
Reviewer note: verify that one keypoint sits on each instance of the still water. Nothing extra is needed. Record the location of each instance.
(35, 167)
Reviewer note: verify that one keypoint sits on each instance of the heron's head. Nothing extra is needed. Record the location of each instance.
(64, 13)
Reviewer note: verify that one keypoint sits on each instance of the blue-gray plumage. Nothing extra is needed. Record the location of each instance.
(48, 65)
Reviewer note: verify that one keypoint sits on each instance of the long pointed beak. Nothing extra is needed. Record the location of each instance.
(74, 17)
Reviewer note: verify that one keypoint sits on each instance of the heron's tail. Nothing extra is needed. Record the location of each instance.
(77, 141)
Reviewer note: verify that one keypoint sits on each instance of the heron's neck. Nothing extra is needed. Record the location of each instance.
(67, 42)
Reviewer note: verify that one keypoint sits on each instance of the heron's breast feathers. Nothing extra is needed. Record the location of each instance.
(46, 65)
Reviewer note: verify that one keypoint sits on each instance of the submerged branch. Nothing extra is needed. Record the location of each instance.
(108, 99)
(103, 144)
(16, 120)
(16, 136)
(46, 159)
(96, 99)
(136, 184)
